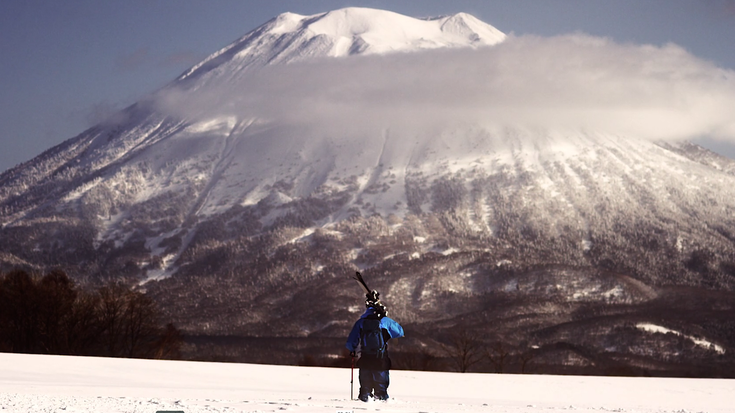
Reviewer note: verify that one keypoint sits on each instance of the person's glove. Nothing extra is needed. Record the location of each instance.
(352, 354)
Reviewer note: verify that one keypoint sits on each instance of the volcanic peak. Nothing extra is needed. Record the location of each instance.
(291, 37)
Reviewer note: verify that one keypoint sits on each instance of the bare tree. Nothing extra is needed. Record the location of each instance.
(525, 356)
(524, 353)
(498, 355)
(140, 324)
(129, 322)
(82, 327)
(111, 312)
(464, 349)
(56, 298)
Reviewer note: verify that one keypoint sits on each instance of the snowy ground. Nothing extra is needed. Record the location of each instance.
(35, 383)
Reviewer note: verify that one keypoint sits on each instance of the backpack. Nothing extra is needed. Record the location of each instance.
(372, 340)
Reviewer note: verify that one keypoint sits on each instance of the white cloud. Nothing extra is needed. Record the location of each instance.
(568, 82)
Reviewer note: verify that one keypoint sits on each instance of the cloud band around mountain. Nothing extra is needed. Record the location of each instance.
(573, 82)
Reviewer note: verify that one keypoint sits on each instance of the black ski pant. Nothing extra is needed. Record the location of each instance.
(374, 382)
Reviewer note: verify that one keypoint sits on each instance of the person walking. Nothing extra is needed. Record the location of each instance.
(371, 333)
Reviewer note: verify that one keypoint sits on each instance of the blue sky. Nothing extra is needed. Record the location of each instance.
(64, 65)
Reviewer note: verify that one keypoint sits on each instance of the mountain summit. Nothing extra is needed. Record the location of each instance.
(292, 37)
(244, 193)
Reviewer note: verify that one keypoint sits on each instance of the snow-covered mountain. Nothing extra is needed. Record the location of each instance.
(239, 221)
(207, 166)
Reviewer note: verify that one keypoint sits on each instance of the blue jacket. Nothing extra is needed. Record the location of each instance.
(391, 326)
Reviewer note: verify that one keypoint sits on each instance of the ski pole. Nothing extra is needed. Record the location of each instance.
(352, 379)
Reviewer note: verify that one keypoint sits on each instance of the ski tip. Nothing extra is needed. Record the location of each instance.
(358, 277)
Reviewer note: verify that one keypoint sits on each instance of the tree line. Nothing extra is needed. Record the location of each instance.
(50, 314)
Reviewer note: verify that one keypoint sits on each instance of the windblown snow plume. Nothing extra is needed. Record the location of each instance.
(573, 82)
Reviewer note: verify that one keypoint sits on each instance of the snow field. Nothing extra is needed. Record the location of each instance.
(40, 383)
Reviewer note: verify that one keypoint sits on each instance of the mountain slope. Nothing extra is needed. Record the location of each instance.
(241, 223)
